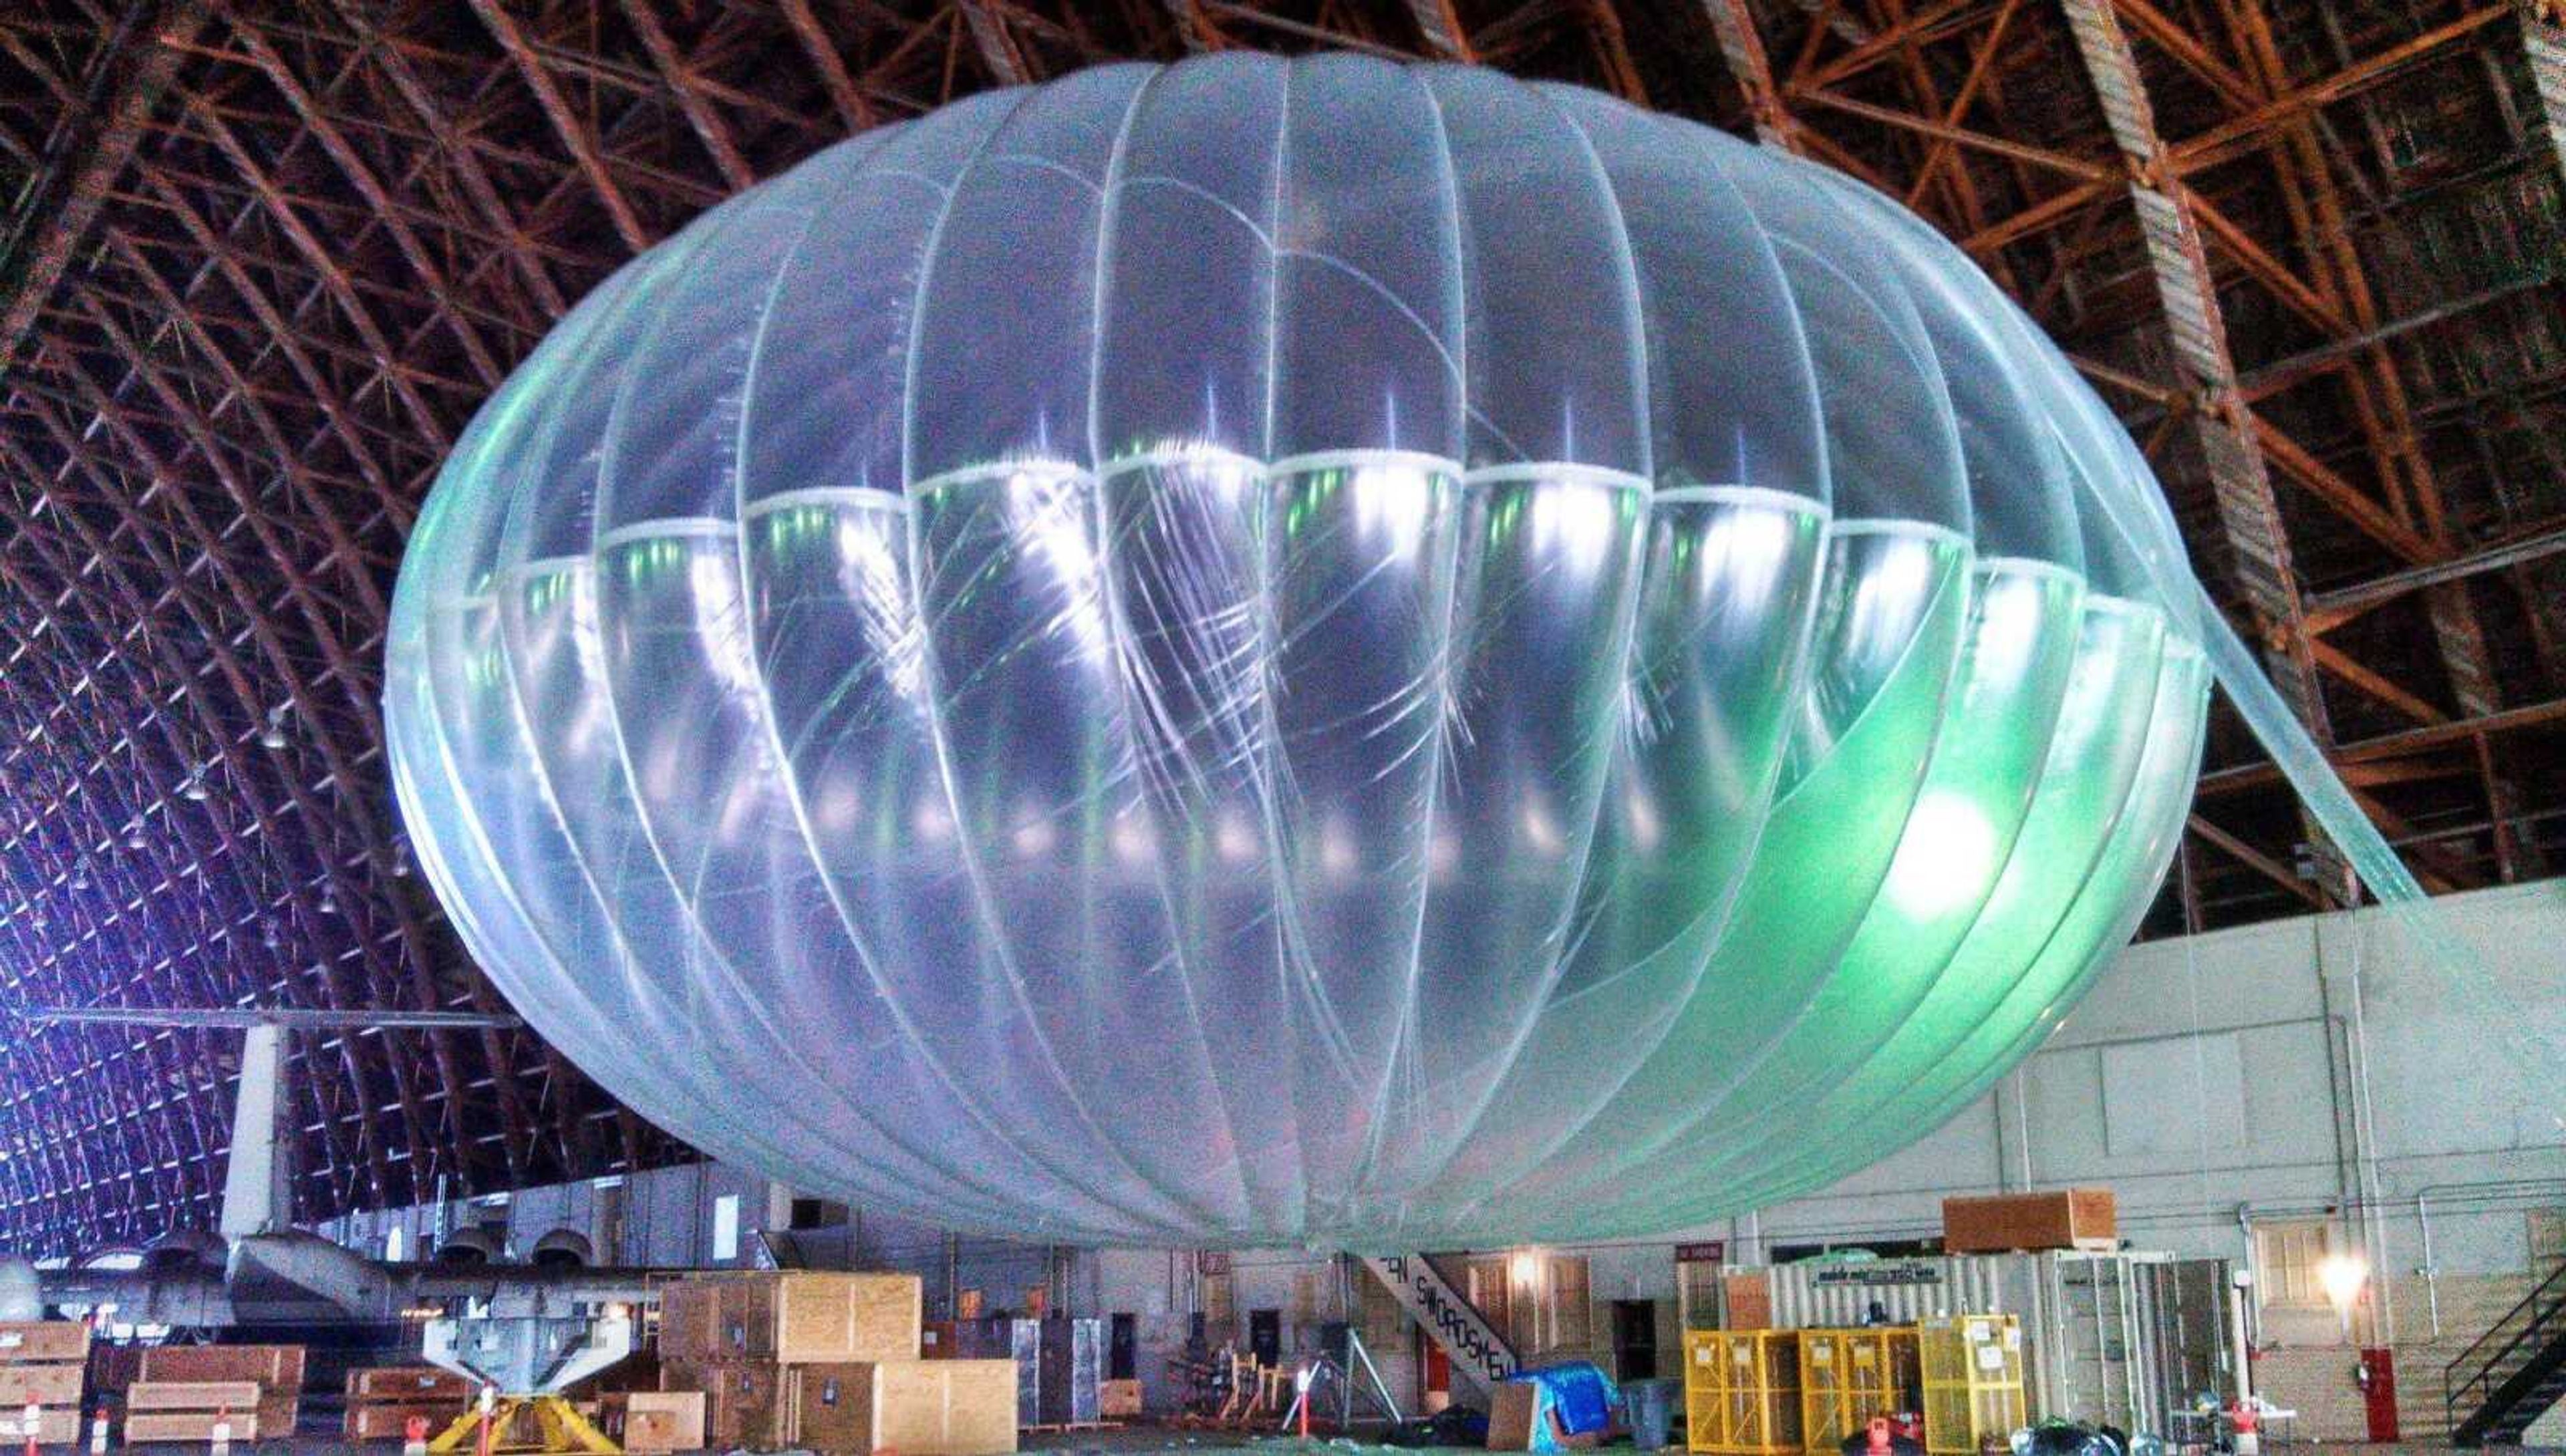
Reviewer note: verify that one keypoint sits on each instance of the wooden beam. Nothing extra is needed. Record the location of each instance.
(140, 61)
(2256, 860)
(574, 130)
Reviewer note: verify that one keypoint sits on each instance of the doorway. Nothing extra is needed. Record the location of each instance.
(1635, 1339)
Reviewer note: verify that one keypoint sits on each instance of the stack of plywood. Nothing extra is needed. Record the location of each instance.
(649, 1422)
(382, 1401)
(188, 1410)
(43, 1363)
(276, 1369)
(828, 1362)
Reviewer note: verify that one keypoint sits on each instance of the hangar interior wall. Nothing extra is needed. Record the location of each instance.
(2254, 1094)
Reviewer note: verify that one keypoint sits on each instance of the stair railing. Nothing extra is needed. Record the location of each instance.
(2474, 1379)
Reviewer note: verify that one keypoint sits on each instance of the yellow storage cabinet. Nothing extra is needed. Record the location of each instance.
(1846, 1376)
(1972, 1378)
(1743, 1392)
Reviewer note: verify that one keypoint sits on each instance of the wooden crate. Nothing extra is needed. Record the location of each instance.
(44, 1363)
(46, 1384)
(55, 1425)
(43, 1341)
(193, 1427)
(946, 1407)
(690, 1320)
(277, 1369)
(2068, 1218)
(808, 1318)
(414, 1385)
(1746, 1301)
(743, 1404)
(647, 1422)
(237, 1397)
(186, 1410)
(1118, 1400)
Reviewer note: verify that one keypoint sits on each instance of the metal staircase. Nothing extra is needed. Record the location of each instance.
(2513, 1373)
(1477, 1350)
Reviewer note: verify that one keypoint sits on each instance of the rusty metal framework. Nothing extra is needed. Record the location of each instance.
(263, 258)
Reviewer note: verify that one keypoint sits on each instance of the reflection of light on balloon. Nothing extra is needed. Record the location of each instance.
(1944, 858)
(1750, 547)
(1033, 838)
(1235, 838)
(1392, 497)
(1337, 851)
(1640, 811)
(1541, 831)
(1048, 508)
(2008, 632)
(1130, 838)
(931, 822)
(870, 545)
(1577, 521)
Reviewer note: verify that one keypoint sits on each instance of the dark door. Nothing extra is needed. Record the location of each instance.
(1635, 1339)
(1122, 1355)
(1265, 1335)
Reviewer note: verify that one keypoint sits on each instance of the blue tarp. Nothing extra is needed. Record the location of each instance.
(1578, 1395)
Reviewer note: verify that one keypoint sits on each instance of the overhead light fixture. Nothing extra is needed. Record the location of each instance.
(2343, 1276)
(1525, 1268)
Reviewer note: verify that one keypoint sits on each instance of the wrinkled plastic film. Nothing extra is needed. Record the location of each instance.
(2533, 1040)
(1291, 651)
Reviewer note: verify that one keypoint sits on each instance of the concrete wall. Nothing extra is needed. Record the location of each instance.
(2328, 1068)
(2320, 1067)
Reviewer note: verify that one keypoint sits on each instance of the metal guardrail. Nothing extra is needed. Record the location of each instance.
(2508, 1346)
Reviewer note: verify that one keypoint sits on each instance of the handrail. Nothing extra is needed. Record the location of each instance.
(2539, 1311)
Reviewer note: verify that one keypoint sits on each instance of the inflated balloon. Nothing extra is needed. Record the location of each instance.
(1307, 651)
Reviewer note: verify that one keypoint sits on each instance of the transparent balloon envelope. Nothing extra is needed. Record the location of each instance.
(1314, 652)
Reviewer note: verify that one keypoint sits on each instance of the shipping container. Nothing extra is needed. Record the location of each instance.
(2125, 1338)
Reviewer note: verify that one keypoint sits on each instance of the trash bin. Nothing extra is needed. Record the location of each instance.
(1653, 1412)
